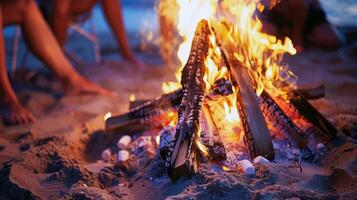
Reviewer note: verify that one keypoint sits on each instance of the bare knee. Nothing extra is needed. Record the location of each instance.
(13, 11)
(81, 6)
(20, 5)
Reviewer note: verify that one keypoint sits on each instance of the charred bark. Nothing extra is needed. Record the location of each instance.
(279, 120)
(142, 115)
(144, 111)
(222, 87)
(312, 115)
(210, 137)
(182, 156)
(257, 137)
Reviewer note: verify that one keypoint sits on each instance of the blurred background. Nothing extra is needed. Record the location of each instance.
(140, 20)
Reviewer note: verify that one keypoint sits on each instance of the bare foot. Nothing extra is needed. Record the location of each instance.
(81, 85)
(15, 113)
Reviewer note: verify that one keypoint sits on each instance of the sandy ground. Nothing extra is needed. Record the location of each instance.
(59, 155)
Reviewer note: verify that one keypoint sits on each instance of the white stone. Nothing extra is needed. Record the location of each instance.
(123, 155)
(247, 167)
(124, 142)
(320, 146)
(106, 154)
(260, 160)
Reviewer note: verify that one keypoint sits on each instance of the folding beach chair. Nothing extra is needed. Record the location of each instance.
(76, 27)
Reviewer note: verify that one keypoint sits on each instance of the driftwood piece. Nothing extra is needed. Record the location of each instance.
(279, 120)
(210, 136)
(182, 156)
(312, 115)
(257, 137)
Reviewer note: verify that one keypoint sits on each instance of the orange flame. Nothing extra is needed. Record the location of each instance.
(259, 52)
(236, 25)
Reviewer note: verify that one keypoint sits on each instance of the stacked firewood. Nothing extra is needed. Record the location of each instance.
(196, 126)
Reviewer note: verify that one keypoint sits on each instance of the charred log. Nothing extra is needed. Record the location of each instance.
(222, 87)
(144, 112)
(257, 137)
(210, 137)
(279, 120)
(312, 115)
(141, 116)
(182, 156)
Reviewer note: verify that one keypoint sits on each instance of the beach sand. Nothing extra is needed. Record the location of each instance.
(59, 155)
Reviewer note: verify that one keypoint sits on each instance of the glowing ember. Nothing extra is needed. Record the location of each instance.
(132, 98)
(107, 115)
(172, 117)
(157, 139)
(202, 147)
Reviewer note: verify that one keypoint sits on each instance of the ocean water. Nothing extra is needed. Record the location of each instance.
(341, 12)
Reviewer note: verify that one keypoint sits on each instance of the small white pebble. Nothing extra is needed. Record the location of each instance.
(246, 166)
(142, 143)
(145, 141)
(124, 142)
(320, 146)
(260, 160)
(106, 154)
(123, 155)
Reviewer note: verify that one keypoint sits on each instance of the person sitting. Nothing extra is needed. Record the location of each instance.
(63, 11)
(43, 44)
(304, 21)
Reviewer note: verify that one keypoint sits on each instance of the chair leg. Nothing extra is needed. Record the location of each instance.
(96, 44)
(15, 50)
(90, 35)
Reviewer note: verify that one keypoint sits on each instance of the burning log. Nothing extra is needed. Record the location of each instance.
(210, 137)
(280, 120)
(312, 115)
(138, 117)
(166, 136)
(141, 116)
(257, 135)
(182, 157)
(222, 87)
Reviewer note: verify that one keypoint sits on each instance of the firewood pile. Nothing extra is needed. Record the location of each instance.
(197, 135)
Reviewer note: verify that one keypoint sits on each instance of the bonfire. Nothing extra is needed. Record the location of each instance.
(233, 95)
